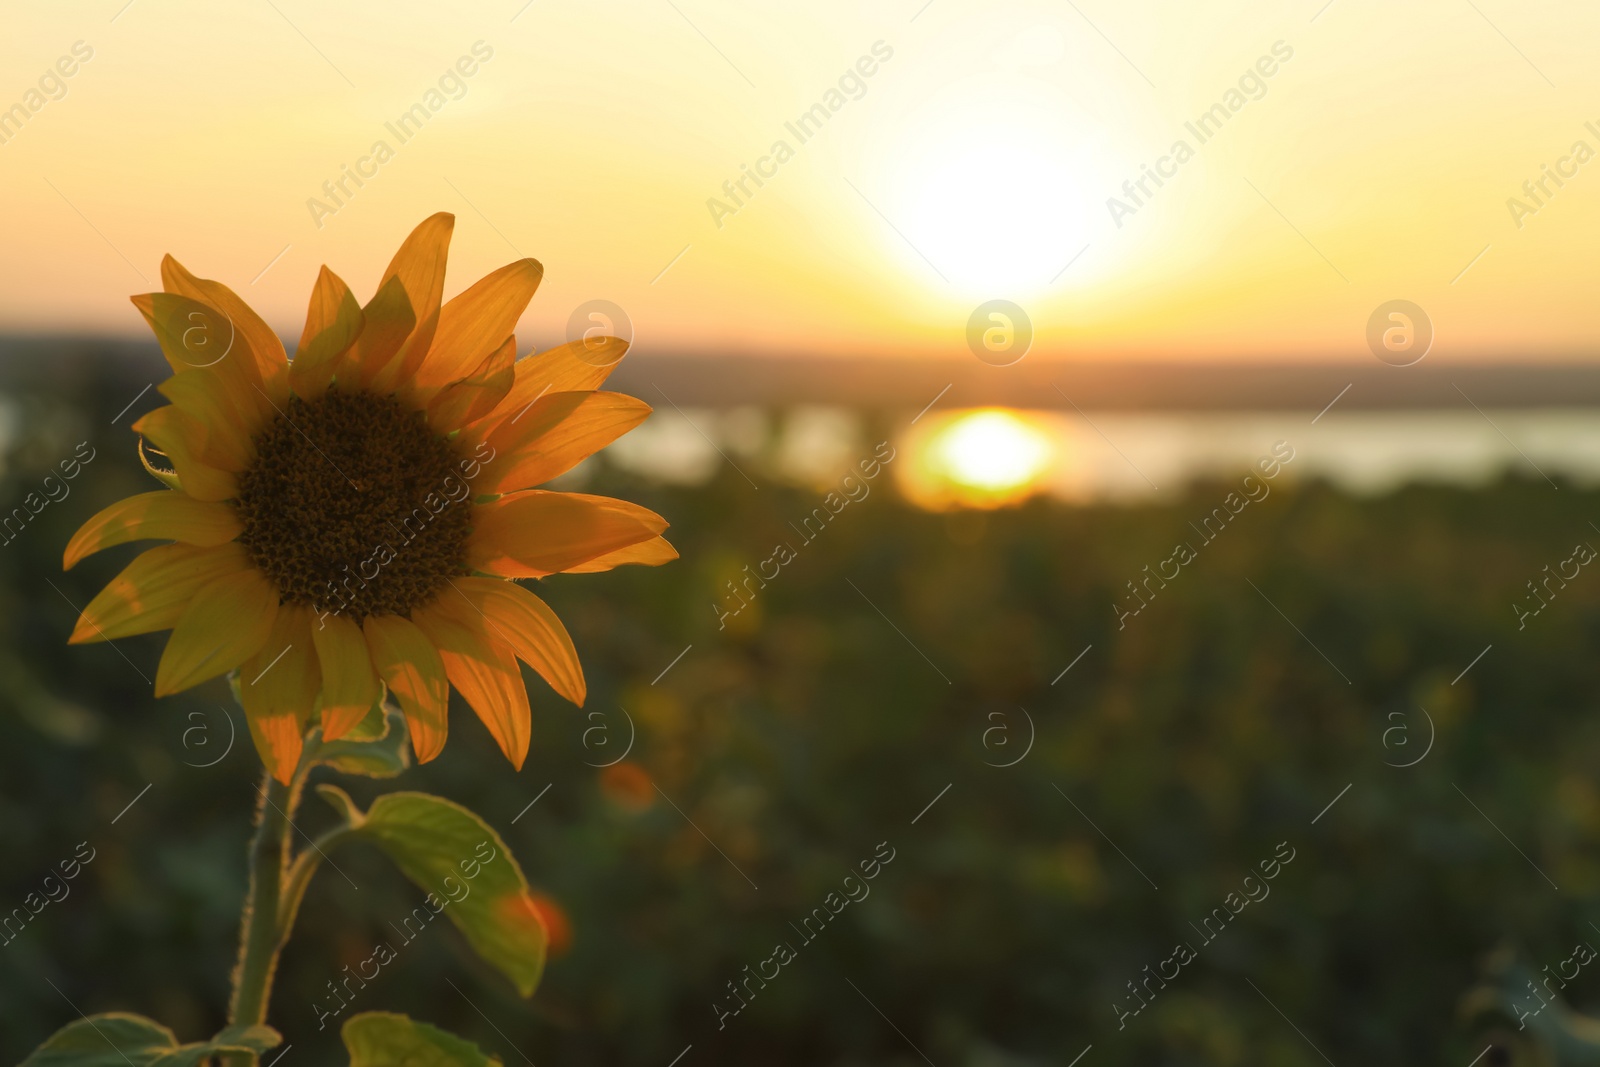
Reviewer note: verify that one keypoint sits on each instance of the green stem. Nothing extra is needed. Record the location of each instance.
(298, 876)
(261, 937)
(277, 886)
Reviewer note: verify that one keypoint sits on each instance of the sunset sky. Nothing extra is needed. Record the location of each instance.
(974, 162)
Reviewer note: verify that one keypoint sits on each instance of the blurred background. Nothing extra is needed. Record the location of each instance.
(1237, 513)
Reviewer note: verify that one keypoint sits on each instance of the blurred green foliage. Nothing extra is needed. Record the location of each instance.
(786, 747)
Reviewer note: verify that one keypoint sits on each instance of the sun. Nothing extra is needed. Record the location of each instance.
(994, 187)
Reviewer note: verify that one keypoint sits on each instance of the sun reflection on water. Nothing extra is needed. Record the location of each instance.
(986, 458)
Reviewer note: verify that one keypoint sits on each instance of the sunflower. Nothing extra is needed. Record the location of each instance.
(355, 518)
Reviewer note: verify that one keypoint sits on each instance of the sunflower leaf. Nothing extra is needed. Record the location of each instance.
(469, 875)
(256, 1038)
(118, 1039)
(376, 748)
(382, 1039)
(104, 1039)
(340, 802)
(374, 726)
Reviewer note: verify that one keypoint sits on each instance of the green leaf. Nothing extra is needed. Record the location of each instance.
(105, 1039)
(376, 748)
(384, 1039)
(469, 875)
(340, 801)
(375, 724)
(255, 1038)
(118, 1039)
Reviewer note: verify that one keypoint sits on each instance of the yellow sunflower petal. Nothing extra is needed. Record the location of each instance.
(627, 507)
(555, 435)
(575, 367)
(651, 553)
(154, 590)
(419, 267)
(475, 323)
(484, 672)
(387, 321)
(259, 339)
(349, 684)
(226, 623)
(161, 515)
(183, 439)
(198, 339)
(472, 397)
(518, 619)
(277, 686)
(408, 662)
(535, 533)
(333, 322)
(514, 429)
(227, 446)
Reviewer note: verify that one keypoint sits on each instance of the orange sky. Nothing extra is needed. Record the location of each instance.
(972, 157)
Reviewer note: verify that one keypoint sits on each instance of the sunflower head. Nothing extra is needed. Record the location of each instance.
(353, 519)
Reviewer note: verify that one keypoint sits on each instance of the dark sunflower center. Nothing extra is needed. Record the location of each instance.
(354, 506)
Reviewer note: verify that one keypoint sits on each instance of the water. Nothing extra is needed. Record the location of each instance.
(1129, 457)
